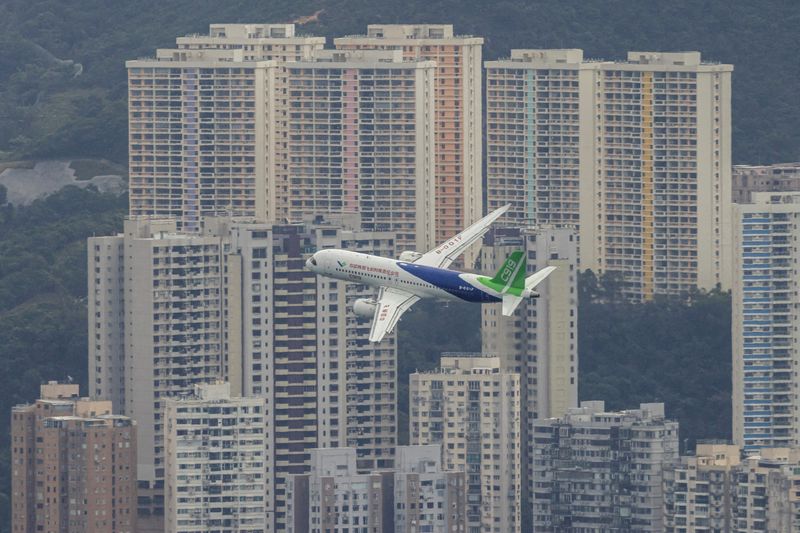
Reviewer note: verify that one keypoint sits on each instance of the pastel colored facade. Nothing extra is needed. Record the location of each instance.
(233, 301)
(205, 121)
(540, 341)
(216, 473)
(417, 495)
(260, 42)
(458, 114)
(700, 490)
(637, 153)
(201, 128)
(764, 322)
(598, 470)
(534, 136)
(73, 465)
(471, 407)
(361, 140)
(780, 177)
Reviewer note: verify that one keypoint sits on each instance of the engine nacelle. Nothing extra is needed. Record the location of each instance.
(365, 307)
(409, 256)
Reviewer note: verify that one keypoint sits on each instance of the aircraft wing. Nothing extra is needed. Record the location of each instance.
(443, 255)
(392, 303)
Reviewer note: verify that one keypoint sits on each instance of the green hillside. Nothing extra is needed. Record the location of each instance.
(43, 300)
(662, 351)
(62, 75)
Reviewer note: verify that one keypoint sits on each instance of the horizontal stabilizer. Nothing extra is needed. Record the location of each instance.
(534, 279)
(510, 303)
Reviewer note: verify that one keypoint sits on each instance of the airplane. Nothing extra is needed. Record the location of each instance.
(415, 276)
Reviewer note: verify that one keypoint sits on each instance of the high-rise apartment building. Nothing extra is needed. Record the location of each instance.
(534, 134)
(334, 496)
(361, 140)
(281, 43)
(598, 470)
(206, 121)
(234, 301)
(258, 41)
(747, 179)
(637, 152)
(73, 465)
(156, 304)
(768, 498)
(700, 490)
(540, 341)
(764, 321)
(426, 496)
(251, 120)
(302, 348)
(458, 114)
(201, 127)
(216, 464)
(417, 495)
(471, 406)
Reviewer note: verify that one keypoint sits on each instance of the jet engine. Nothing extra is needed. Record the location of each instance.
(409, 256)
(365, 307)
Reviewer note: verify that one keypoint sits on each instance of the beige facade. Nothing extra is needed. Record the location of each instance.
(156, 298)
(234, 301)
(257, 41)
(73, 465)
(303, 349)
(540, 341)
(216, 473)
(538, 103)
(426, 496)
(206, 120)
(700, 490)
(264, 42)
(361, 140)
(638, 152)
(471, 406)
(458, 114)
(201, 135)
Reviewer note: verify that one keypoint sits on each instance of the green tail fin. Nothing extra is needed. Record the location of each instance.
(512, 273)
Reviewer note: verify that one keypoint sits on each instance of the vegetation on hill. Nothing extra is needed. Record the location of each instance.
(666, 351)
(43, 300)
(62, 73)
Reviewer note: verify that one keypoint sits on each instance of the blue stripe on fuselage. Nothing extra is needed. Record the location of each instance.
(448, 280)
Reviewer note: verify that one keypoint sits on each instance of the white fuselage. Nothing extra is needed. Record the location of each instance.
(422, 281)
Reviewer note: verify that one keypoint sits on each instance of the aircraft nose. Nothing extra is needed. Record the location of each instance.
(311, 263)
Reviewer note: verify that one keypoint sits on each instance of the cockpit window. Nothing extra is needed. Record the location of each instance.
(313, 261)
